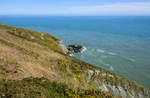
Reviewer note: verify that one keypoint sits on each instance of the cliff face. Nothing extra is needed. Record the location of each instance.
(117, 85)
(35, 59)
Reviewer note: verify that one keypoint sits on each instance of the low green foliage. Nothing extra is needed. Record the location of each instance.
(78, 76)
(31, 88)
(63, 63)
(42, 87)
(78, 93)
(38, 37)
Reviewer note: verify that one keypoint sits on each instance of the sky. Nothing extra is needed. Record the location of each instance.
(75, 7)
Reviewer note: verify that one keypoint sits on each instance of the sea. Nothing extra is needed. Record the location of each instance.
(120, 44)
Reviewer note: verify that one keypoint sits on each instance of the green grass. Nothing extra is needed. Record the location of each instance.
(78, 69)
(75, 69)
(34, 36)
(63, 63)
(78, 93)
(31, 88)
(42, 87)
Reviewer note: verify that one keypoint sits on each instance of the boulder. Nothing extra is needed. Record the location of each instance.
(75, 48)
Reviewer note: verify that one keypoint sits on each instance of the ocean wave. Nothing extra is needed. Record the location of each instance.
(84, 49)
(100, 50)
(130, 59)
(104, 51)
(104, 56)
(133, 60)
(111, 53)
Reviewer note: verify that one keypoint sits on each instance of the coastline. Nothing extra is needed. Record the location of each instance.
(83, 75)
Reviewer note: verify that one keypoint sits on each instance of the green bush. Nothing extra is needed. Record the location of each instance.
(63, 63)
(42, 87)
(31, 87)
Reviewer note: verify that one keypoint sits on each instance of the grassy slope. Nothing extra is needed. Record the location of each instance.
(26, 53)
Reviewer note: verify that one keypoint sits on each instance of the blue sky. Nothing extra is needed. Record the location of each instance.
(75, 7)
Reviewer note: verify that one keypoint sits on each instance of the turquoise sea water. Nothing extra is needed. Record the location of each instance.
(118, 44)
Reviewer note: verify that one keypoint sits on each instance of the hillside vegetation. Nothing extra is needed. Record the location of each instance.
(34, 64)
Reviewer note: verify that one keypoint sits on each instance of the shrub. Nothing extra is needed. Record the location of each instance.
(63, 64)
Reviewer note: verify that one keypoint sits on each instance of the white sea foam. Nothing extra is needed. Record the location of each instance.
(107, 64)
(111, 53)
(111, 68)
(130, 59)
(84, 49)
(100, 50)
(71, 55)
(133, 60)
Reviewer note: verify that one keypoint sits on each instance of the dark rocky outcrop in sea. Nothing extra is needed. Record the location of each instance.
(75, 48)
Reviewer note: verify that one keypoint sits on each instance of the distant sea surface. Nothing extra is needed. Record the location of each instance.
(118, 44)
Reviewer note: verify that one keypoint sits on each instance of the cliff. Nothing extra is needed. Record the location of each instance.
(35, 64)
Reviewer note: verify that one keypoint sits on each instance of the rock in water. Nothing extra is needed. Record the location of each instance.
(75, 48)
